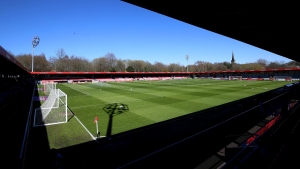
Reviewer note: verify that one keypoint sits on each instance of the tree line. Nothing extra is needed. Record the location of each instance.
(62, 62)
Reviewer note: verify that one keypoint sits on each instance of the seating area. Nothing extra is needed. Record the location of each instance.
(3, 96)
(9, 87)
(166, 78)
(126, 79)
(179, 77)
(10, 90)
(15, 101)
(151, 78)
(105, 79)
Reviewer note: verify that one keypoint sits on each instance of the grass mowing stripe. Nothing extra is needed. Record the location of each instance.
(179, 97)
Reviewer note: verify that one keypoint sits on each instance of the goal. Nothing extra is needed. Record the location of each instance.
(235, 78)
(282, 78)
(53, 110)
(48, 87)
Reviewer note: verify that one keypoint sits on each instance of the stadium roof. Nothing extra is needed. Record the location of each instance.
(270, 26)
(9, 65)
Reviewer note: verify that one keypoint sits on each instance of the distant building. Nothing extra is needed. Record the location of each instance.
(232, 60)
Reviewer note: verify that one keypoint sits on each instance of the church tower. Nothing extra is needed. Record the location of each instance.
(232, 60)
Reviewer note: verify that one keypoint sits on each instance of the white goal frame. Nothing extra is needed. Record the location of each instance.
(282, 78)
(53, 111)
(235, 78)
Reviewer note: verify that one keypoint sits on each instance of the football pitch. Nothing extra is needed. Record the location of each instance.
(124, 106)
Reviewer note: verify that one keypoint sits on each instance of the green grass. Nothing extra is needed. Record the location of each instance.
(40, 90)
(149, 102)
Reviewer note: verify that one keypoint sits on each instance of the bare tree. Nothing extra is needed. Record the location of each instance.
(274, 65)
(252, 66)
(219, 66)
(120, 66)
(203, 66)
(174, 67)
(109, 62)
(79, 64)
(60, 53)
(192, 68)
(103, 64)
(149, 67)
(138, 65)
(111, 59)
(263, 62)
(25, 60)
(95, 64)
(53, 63)
(227, 65)
(199, 66)
(61, 63)
(160, 67)
(293, 64)
(41, 64)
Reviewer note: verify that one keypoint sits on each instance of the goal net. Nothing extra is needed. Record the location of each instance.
(53, 110)
(282, 78)
(48, 87)
(235, 78)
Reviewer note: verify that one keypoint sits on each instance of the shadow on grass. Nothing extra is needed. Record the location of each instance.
(37, 151)
(113, 110)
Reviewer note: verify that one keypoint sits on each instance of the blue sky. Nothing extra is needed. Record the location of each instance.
(93, 28)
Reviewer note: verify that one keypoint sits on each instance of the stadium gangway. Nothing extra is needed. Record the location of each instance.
(252, 145)
(242, 157)
(246, 155)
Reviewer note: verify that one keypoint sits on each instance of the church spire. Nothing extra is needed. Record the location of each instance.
(232, 59)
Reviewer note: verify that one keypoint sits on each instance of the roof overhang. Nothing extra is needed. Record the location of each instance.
(270, 26)
(9, 65)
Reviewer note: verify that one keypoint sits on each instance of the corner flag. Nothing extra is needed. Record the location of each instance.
(96, 119)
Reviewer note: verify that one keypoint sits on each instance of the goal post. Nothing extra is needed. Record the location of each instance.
(282, 78)
(53, 111)
(235, 78)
